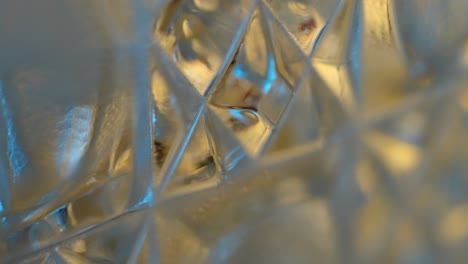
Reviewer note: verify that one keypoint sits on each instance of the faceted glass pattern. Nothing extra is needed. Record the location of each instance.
(221, 131)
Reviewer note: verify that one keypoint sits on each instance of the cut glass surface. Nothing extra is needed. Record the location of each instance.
(219, 131)
(74, 119)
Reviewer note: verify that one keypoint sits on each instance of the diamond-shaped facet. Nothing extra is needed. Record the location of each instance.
(259, 84)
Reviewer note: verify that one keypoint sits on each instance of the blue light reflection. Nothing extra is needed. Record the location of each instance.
(16, 157)
(240, 72)
(75, 134)
(270, 76)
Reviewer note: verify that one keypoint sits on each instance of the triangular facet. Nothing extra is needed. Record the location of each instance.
(331, 113)
(199, 35)
(301, 123)
(176, 105)
(228, 148)
(167, 81)
(314, 114)
(290, 61)
(197, 168)
(337, 79)
(304, 20)
(339, 45)
(334, 44)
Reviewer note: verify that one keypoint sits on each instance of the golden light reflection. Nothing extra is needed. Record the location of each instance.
(336, 78)
(465, 54)
(160, 87)
(207, 6)
(399, 156)
(454, 226)
(366, 178)
(463, 98)
(79, 246)
(371, 225)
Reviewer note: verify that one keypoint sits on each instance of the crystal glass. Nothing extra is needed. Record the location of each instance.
(75, 147)
(220, 131)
